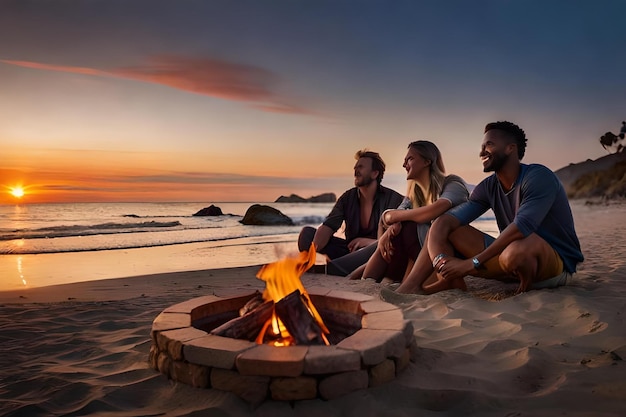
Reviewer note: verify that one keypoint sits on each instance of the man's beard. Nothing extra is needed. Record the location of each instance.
(496, 162)
(363, 181)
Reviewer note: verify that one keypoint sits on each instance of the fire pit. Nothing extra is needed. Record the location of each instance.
(371, 356)
(368, 344)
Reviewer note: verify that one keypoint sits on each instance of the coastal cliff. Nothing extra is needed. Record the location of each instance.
(603, 178)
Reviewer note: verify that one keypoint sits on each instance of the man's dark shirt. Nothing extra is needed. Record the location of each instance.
(347, 208)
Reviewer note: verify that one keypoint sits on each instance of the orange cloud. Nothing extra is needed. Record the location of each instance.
(211, 77)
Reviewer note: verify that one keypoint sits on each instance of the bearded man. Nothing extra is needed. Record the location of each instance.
(537, 244)
(360, 209)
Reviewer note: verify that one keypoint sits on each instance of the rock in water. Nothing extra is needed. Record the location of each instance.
(210, 211)
(261, 215)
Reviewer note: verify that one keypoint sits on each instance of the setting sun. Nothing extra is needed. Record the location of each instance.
(17, 192)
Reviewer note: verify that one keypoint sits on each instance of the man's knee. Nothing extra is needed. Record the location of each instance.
(518, 254)
(306, 238)
(467, 241)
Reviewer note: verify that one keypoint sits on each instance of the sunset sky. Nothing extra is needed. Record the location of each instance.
(190, 100)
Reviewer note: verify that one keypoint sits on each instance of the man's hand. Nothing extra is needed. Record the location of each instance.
(359, 242)
(450, 268)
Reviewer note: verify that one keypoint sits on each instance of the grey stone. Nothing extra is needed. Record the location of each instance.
(340, 384)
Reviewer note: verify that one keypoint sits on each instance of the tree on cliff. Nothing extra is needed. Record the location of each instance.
(612, 141)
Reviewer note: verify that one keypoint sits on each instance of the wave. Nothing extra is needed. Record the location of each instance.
(252, 234)
(307, 220)
(84, 230)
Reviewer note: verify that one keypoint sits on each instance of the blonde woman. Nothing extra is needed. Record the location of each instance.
(402, 231)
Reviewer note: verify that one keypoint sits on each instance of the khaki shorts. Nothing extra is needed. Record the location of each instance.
(551, 273)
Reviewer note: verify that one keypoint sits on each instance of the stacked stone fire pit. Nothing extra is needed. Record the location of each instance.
(377, 346)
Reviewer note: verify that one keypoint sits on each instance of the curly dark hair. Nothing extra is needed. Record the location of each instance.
(514, 131)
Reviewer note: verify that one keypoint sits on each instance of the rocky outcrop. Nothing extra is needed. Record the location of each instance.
(210, 211)
(604, 177)
(261, 215)
(294, 198)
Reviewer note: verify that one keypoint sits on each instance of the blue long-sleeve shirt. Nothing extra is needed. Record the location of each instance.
(537, 203)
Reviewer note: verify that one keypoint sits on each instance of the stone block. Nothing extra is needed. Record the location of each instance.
(384, 320)
(170, 321)
(252, 389)
(221, 305)
(215, 351)
(403, 361)
(330, 359)
(164, 363)
(352, 296)
(272, 361)
(382, 373)
(188, 306)
(376, 306)
(172, 340)
(153, 356)
(315, 292)
(292, 389)
(190, 374)
(343, 301)
(340, 384)
(395, 345)
(375, 345)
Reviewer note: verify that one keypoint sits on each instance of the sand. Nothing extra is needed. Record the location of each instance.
(82, 349)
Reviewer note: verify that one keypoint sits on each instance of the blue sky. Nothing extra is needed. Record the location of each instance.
(247, 100)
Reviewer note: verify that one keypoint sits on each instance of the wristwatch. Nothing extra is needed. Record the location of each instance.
(476, 263)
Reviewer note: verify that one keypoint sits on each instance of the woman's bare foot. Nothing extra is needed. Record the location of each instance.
(443, 285)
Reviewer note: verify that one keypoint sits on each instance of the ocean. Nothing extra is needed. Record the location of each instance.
(48, 244)
(54, 228)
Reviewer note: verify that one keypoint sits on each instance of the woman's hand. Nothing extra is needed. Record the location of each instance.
(450, 268)
(384, 243)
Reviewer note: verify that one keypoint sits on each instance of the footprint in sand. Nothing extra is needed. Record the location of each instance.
(596, 325)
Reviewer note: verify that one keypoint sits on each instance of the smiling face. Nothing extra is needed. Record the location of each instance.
(496, 150)
(415, 164)
(364, 175)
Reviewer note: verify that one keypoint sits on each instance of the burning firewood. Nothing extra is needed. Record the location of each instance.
(247, 326)
(298, 320)
(284, 315)
(253, 303)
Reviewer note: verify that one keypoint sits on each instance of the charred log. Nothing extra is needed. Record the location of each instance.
(253, 303)
(298, 320)
(247, 326)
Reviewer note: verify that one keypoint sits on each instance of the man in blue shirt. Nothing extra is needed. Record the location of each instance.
(537, 244)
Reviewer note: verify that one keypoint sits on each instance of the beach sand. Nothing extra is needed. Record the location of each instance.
(82, 349)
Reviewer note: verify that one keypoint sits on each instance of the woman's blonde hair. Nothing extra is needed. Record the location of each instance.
(431, 153)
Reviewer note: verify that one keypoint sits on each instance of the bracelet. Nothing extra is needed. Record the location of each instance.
(437, 258)
(382, 219)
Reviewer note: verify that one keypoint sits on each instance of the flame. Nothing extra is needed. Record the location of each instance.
(281, 279)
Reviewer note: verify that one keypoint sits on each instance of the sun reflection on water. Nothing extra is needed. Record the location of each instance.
(20, 270)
